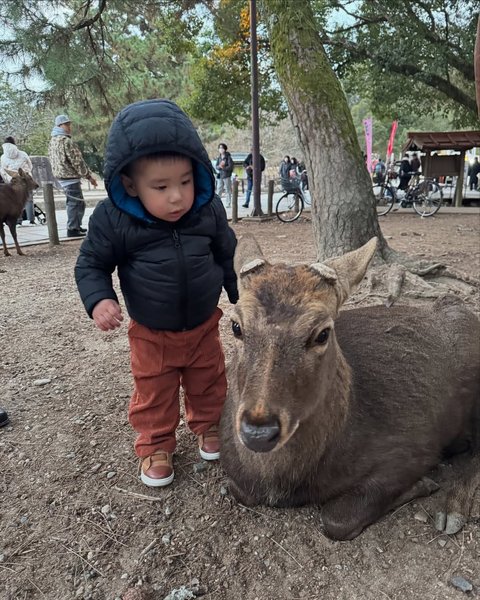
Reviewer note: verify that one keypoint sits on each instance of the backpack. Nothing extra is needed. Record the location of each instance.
(379, 168)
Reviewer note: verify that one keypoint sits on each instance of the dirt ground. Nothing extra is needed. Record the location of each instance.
(76, 522)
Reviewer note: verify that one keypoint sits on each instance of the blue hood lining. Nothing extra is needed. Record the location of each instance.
(204, 192)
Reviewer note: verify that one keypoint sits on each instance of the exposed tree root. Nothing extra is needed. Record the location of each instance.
(395, 276)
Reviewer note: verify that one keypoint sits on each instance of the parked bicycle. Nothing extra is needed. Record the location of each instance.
(424, 195)
(291, 204)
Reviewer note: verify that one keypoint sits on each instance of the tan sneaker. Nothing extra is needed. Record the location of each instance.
(157, 469)
(209, 444)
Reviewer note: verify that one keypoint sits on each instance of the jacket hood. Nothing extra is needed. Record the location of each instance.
(148, 127)
(10, 150)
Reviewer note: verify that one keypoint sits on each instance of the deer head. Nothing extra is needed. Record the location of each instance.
(288, 365)
(24, 179)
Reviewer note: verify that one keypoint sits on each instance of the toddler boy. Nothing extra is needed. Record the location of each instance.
(165, 230)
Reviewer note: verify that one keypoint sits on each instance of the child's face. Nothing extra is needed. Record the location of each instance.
(164, 186)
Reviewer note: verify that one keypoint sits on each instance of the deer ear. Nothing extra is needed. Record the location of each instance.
(248, 257)
(21, 172)
(11, 173)
(351, 267)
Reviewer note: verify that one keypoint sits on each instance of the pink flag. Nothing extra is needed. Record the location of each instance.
(368, 127)
(390, 141)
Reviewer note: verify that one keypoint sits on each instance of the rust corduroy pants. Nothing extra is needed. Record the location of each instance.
(161, 361)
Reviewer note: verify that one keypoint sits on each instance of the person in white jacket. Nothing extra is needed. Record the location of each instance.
(14, 159)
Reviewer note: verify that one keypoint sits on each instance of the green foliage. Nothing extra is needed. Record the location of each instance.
(408, 57)
(220, 76)
(405, 59)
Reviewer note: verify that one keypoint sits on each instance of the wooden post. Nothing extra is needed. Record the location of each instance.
(235, 201)
(459, 186)
(271, 186)
(50, 214)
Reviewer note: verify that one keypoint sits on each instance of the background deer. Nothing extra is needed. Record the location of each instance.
(13, 197)
(348, 411)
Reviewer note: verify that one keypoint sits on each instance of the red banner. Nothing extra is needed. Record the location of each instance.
(390, 141)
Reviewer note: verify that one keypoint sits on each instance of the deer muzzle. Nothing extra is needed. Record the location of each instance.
(260, 436)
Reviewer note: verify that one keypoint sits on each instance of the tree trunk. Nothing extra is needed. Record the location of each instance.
(343, 205)
(477, 65)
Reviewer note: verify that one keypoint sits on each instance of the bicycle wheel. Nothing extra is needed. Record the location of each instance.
(428, 199)
(289, 207)
(384, 198)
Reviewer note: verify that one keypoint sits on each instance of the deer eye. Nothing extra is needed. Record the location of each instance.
(322, 337)
(237, 330)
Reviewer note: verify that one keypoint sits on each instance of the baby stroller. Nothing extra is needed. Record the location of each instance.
(39, 215)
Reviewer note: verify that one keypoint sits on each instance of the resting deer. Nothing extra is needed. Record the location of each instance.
(350, 410)
(13, 197)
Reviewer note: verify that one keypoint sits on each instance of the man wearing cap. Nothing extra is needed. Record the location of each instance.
(69, 168)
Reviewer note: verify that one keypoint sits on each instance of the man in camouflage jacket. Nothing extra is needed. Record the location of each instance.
(69, 168)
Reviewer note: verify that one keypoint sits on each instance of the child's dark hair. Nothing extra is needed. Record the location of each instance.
(224, 146)
(167, 155)
(9, 140)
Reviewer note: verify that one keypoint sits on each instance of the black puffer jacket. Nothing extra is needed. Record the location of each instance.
(171, 274)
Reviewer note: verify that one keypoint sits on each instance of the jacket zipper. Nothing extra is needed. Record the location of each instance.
(183, 278)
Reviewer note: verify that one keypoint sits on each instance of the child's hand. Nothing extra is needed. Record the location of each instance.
(107, 315)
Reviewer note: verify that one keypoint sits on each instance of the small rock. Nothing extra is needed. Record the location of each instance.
(168, 511)
(181, 593)
(90, 555)
(106, 509)
(442, 543)
(223, 491)
(200, 467)
(124, 576)
(96, 467)
(166, 538)
(2, 557)
(421, 516)
(111, 474)
(462, 584)
(43, 382)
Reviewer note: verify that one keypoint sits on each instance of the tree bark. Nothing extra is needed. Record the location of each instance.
(477, 65)
(343, 205)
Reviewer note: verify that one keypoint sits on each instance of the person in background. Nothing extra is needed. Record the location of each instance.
(379, 171)
(12, 160)
(224, 166)
(415, 164)
(303, 176)
(284, 170)
(166, 232)
(69, 168)
(294, 168)
(473, 171)
(405, 173)
(248, 166)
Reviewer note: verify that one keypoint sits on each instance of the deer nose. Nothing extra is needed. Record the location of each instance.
(260, 437)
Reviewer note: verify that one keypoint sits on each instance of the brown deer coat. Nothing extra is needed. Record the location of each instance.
(348, 411)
